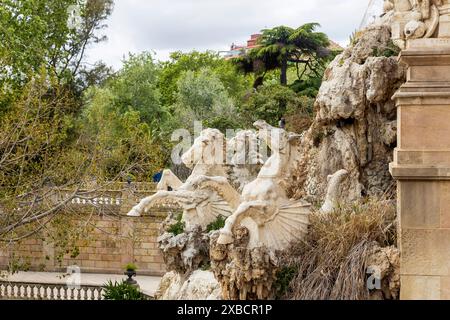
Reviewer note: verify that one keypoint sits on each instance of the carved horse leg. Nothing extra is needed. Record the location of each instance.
(245, 210)
(147, 203)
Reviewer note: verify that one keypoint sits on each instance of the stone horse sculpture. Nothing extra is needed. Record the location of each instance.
(200, 207)
(273, 220)
(245, 158)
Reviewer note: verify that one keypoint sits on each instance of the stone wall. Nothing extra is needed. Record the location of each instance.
(113, 241)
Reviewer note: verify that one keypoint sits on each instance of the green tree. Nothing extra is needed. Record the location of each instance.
(180, 63)
(136, 87)
(36, 33)
(201, 96)
(273, 101)
(126, 117)
(281, 46)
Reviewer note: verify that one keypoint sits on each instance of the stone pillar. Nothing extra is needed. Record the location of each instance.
(422, 167)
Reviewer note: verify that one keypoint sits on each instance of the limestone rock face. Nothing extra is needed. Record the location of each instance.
(185, 252)
(386, 261)
(243, 273)
(200, 285)
(355, 126)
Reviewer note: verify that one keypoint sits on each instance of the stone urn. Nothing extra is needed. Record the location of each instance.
(130, 271)
(131, 274)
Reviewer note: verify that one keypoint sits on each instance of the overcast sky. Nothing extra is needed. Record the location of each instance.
(165, 26)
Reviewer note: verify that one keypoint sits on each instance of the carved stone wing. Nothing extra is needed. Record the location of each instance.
(221, 187)
(288, 224)
(275, 228)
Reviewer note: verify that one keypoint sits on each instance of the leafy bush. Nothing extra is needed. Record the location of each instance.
(284, 278)
(178, 227)
(216, 225)
(308, 87)
(130, 267)
(122, 291)
(273, 101)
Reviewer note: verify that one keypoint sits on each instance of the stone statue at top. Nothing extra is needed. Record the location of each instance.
(415, 19)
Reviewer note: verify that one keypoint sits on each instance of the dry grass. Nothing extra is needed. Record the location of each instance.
(331, 262)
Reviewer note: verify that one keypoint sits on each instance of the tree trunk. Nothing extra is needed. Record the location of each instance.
(284, 67)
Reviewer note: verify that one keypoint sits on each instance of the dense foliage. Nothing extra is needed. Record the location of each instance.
(122, 291)
(68, 125)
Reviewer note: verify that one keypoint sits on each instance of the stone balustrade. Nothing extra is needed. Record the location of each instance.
(41, 291)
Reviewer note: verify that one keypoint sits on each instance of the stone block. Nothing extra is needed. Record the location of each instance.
(420, 288)
(425, 252)
(445, 288)
(425, 130)
(445, 205)
(420, 204)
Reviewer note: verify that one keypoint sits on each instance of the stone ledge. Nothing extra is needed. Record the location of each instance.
(438, 158)
(430, 98)
(405, 172)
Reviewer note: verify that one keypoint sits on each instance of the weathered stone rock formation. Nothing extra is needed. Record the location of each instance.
(243, 273)
(200, 285)
(385, 263)
(185, 252)
(355, 124)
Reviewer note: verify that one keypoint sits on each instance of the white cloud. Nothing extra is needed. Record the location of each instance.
(165, 26)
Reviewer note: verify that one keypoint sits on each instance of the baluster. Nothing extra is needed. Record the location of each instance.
(22, 291)
(72, 297)
(2, 288)
(58, 293)
(26, 292)
(85, 297)
(16, 291)
(100, 293)
(32, 296)
(41, 292)
(93, 292)
(79, 293)
(50, 292)
(64, 293)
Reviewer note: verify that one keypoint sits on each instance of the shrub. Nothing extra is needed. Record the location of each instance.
(273, 101)
(178, 227)
(122, 291)
(216, 225)
(130, 267)
(330, 263)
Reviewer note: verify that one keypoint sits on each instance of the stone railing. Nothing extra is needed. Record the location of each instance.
(116, 196)
(40, 291)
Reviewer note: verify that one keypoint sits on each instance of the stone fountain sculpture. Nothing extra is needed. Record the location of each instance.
(415, 19)
(187, 251)
(273, 220)
(265, 221)
(200, 207)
